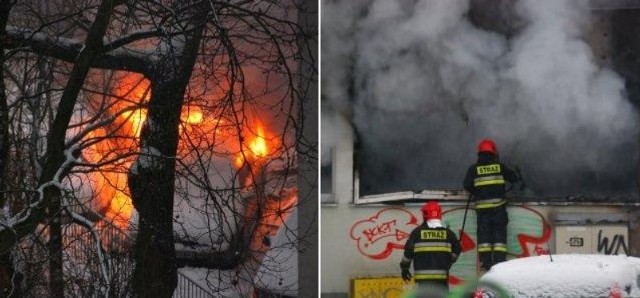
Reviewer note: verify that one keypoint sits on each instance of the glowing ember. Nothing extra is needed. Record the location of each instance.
(192, 115)
(136, 118)
(259, 144)
(256, 150)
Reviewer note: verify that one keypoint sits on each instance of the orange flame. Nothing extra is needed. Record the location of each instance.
(253, 156)
(258, 145)
(109, 184)
(132, 92)
(256, 150)
(192, 115)
(136, 118)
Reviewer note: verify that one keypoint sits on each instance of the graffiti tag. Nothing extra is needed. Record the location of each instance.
(528, 233)
(380, 231)
(614, 248)
(377, 236)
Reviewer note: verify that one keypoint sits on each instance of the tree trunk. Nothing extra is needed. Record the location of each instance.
(54, 246)
(55, 142)
(151, 177)
(9, 279)
(54, 156)
(5, 7)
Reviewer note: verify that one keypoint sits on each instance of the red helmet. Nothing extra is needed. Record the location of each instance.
(487, 145)
(431, 210)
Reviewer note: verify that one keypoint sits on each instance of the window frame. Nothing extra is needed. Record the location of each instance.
(426, 194)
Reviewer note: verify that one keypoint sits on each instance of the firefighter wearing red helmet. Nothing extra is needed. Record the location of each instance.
(432, 248)
(485, 181)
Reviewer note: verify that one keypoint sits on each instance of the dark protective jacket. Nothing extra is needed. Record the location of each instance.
(432, 250)
(486, 179)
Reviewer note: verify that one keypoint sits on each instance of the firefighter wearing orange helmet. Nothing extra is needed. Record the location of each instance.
(485, 181)
(432, 248)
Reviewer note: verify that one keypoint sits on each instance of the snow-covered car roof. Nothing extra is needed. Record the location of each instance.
(571, 275)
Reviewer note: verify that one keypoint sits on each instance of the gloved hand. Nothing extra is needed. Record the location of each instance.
(406, 275)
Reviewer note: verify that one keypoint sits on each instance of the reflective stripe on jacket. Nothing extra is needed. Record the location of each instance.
(489, 174)
(486, 181)
(432, 251)
(431, 274)
(490, 203)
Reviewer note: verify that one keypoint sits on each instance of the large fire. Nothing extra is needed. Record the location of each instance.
(117, 141)
(113, 146)
(120, 140)
(110, 185)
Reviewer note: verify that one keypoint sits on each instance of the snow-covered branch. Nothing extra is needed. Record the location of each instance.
(88, 224)
(132, 37)
(68, 49)
(24, 216)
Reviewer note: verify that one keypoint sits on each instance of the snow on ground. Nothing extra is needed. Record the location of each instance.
(570, 275)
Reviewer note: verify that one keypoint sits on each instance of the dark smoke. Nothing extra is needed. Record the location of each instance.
(427, 83)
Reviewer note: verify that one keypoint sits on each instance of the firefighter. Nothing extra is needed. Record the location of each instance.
(432, 248)
(485, 181)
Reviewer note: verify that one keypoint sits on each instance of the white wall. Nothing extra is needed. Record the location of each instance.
(344, 258)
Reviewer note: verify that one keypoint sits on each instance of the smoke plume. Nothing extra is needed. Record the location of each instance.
(422, 85)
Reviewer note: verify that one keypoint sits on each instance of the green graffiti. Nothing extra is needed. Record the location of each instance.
(527, 229)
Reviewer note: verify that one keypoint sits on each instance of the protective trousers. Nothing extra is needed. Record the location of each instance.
(432, 288)
(492, 235)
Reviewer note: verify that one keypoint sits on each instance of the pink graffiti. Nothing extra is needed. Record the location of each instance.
(377, 236)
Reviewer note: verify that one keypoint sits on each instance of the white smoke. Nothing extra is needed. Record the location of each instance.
(427, 85)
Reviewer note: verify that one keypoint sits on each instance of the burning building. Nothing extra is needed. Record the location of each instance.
(261, 180)
(410, 87)
(172, 123)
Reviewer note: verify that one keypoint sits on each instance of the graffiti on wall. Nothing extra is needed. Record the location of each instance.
(528, 231)
(616, 246)
(528, 234)
(377, 236)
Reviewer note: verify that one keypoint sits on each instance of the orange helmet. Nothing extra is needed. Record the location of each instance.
(431, 210)
(487, 145)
